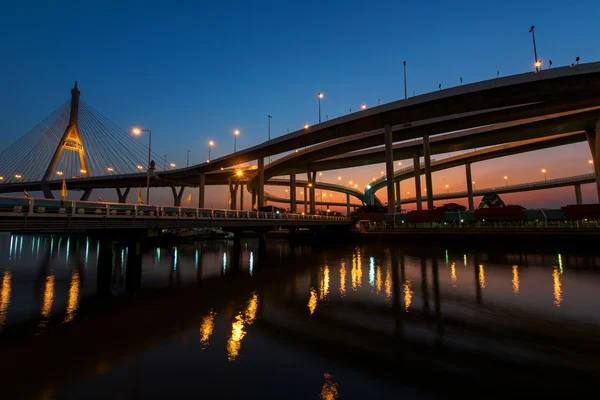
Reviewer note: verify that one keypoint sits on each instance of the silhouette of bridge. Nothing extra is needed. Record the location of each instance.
(79, 147)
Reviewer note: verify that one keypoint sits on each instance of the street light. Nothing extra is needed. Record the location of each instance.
(235, 135)
(18, 176)
(544, 172)
(59, 173)
(305, 126)
(83, 171)
(473, 182)
(172, 165)
(320, 96)
(506, 180)
(363, 106)
(536, 61)
(447, 188)
(210, 144)
(109, 169)
(399, 163)
(339, 179)
(140, 167)
(591, 162)
(138, 132)
(239, 172)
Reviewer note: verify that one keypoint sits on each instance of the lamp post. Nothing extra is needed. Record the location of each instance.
(544, 172)
(210, 144)
(591, 162)
(188, 159)
(320, 96)
(269, 132)
(235, 135)
(448, 189)
(138, 131)
(536, 62)
(506, 180)
(363, 106)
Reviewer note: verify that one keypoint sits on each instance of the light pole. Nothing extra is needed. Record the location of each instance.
(363, 106)
(448, 189)
(544, 172)
(269, 134)
(138, 131)
(473, 182)
(591, 162)
(320, 96)
(188, 159)
(405, 95)
(506, 180)
(536, 62)
(235, 135)
(210, 144)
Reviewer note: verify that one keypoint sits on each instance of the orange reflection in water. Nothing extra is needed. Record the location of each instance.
(237, 327)
(5, 296)
(325, 283)
(378, 280)
(48, 296)
(206, 327)
(388, 283)
(481, 275)
(408, 294)
(73, 301)
(558, 295)
(453, 274)
(329, 391)
(356, 272)
(515, 279)
(312, 301)
(343, 278)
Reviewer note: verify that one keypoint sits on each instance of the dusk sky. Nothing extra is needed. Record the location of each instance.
(194, 71)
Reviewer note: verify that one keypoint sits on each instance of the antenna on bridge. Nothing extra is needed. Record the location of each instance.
(71, 139)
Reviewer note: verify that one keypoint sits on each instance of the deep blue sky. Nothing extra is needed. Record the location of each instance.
(193, 71)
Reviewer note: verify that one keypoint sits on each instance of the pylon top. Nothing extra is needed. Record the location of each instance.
(75, 87)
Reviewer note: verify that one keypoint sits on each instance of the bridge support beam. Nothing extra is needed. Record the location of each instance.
(470, 186)
(233, 187)
(47, 192)
(241, 196)
(347, 203)
(389, 168)
(312, 179)
(417, 173)
(86, 195)
(428, 182)
(123, 196)
(201, 187)
(177, 196)
(305, 195)
(293, 192)
(261, 181)
(398, 201)
(578, 197)
(254, 205)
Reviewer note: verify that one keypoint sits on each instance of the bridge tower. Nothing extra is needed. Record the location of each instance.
(70, 141)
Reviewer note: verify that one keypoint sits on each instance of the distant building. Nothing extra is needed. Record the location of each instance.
(491, 200)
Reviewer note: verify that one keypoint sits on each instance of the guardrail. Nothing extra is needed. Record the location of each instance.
(28, 207)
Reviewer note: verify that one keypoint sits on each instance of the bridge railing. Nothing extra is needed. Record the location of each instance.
(26, 207)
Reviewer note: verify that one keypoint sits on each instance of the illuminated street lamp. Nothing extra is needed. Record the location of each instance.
(339, 179)
(210, 144)
(305, 126)
(591, 162)
(138, 132)
(172, 165)
(59, 173)
(235, 135)
(363, 106)
(83, 171)
(18, 176)
(140, 167)
(537, 62)
(399, 163)
(447, 188)
(544, 172)
(473, 182)
(320, 96)
(1, 178)
(506, 180)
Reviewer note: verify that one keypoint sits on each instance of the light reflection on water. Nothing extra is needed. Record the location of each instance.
(64, 281)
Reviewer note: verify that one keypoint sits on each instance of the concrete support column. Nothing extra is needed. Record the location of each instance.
(470, 186)
(417, 174)
(261, 181)
(233, 187)
(312, 179)
(241, 196)
(578, 197)
(177, 196)
(347, 203)
(201, 187)
(254, 199)
(428, 182)
(306, 200)
(123, 196)
(389, 167)
(86, 194)
(293, 192)
(398, 196)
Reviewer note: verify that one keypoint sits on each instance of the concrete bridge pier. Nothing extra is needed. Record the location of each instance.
(86, 195)
(578, 197)
(241, 196)
(201, 187)
(261, 181)
(312, 179)
(104, 267)
(233, 188)
(398, 201)
(254, 205)
(389, 168)
(417, 173)
(428, 181)
(123, 196)
(293, 192)
(469, 186)
(177, 196)
(347, 203)
(133, 271)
